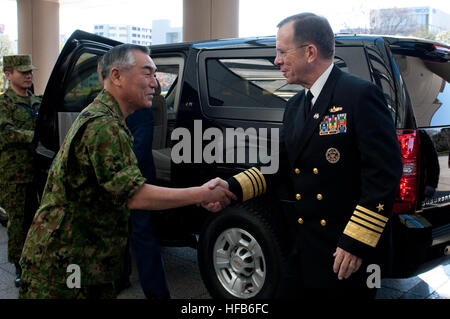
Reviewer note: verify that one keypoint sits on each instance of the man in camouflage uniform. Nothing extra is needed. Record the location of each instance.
(18, 113)
(93, 182)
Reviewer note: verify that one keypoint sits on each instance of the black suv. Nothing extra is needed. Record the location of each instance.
(234, 83)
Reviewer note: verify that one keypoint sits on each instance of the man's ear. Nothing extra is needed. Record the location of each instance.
(8, 75)
(115, 76)
(311, 53)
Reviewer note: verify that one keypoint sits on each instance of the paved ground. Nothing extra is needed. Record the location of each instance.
(185, 281)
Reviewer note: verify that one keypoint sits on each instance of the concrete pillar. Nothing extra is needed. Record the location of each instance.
(38, 35)
(210, 19)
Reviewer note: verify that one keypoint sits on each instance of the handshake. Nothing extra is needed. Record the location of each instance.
(216, 195)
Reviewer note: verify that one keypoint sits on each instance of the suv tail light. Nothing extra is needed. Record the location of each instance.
(405, 201)
(442, 48)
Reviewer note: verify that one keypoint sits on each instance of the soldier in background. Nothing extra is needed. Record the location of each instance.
(18, 113)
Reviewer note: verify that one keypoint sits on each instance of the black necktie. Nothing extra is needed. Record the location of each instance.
(309, 97)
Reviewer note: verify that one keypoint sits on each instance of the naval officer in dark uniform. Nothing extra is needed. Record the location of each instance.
(340, 167)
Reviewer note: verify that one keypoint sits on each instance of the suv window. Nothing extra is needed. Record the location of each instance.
(247, 82)
(382, 77)
(81, 89)
(84, 84)
(442, 114)
(170, 69)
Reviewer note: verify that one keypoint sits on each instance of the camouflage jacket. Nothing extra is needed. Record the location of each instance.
(17, 123)
(83, 217)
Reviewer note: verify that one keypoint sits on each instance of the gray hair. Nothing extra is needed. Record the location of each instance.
(314, 29)
(121, 57)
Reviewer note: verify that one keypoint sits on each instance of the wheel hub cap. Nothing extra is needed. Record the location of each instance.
(239, 263)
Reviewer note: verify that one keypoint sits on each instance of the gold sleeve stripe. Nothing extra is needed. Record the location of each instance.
(261, 176)
(261, 179)
(363, 222)
(362, 234)
(256, 188)
(246, 186)
(255, 180)
(252, 183)
(371, 213)
(370, 219)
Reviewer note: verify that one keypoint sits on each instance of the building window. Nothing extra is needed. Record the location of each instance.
(172, 37)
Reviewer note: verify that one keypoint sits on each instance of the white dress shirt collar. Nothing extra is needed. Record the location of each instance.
(317, 87)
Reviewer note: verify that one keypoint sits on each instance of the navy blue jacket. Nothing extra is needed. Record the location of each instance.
(339, 174)
(140, 124)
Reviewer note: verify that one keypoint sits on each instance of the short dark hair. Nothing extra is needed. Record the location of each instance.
(120, 56)
(311, 28)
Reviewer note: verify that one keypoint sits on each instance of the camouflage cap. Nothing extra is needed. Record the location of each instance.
(21, 63)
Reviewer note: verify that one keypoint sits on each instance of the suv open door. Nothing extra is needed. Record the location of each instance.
(73, 84)
(425, 70)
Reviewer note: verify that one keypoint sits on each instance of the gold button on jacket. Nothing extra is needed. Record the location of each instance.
(297, 171)
(323, 222)
(298, 196)
(300, 220)
(319, 196)
(315, 171)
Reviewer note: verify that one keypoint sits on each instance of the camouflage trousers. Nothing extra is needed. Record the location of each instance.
(33, 288)
(20, 204)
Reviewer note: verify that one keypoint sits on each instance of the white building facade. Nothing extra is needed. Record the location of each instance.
(125, 33)
(163, 33)
(407, 21)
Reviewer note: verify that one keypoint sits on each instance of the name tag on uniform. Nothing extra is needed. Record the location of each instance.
(334, 124)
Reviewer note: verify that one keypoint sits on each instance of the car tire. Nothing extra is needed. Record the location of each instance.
(240, 253)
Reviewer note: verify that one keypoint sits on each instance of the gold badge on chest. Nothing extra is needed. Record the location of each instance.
(335, 109)
(332, 155)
